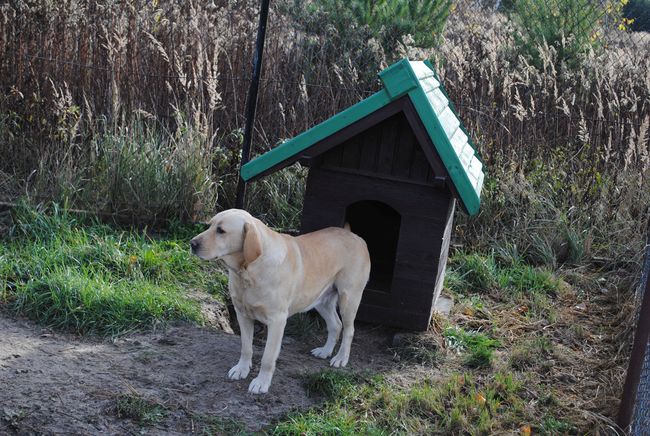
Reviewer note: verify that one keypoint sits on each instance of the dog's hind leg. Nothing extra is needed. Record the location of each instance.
(348, 305)
(327, 309)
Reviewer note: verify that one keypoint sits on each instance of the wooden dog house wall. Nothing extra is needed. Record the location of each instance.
(384, 173)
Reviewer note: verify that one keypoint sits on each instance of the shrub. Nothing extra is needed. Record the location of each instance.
(569, 26)
(639, 11)
(394, 24)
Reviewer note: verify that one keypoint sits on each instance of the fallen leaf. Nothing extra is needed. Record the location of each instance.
(526, 430)
(522, 310)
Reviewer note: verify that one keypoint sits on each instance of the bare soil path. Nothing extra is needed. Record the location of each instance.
(53, 383)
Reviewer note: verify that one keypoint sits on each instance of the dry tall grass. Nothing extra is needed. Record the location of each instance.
(82, 78)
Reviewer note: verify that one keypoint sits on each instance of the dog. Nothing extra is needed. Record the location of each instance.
(273, 276)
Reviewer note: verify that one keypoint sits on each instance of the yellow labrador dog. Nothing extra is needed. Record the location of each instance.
(273, 276)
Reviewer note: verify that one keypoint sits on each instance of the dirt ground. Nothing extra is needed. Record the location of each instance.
(53, 383)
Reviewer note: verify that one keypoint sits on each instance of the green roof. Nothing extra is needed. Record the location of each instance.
(418, 81)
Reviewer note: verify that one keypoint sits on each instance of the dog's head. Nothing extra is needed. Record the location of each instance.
(231, 232)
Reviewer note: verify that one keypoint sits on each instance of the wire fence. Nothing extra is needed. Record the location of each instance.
(634, 412)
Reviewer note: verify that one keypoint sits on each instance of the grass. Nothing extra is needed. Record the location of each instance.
(530, 352)
(139, 409)
(507, 278)
(423, 349)
(217, 425)
(461, 404)
(479, 347)
(329, 383)
(81, 276)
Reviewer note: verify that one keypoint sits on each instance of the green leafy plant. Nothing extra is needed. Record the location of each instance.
(392, 23)
(638, 11)
(479, 346)
(569, 26)
(142, 410)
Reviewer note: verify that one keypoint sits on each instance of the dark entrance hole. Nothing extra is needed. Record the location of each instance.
(378, 224)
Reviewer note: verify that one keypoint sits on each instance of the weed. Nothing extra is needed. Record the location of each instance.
(423, 349)
(139, 409)
(526, 354)
(330, 383)
(553, 426)
(479, 273)
(479, 346)
(217, 425)
(331, 421)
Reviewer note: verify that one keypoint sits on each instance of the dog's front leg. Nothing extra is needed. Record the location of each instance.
(246, 327)
(261, 383)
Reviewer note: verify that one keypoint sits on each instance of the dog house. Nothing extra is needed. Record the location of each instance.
(393, 166)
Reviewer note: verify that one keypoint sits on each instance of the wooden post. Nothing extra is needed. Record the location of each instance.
(251, 102)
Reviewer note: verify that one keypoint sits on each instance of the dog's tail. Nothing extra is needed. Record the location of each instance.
(346, 226)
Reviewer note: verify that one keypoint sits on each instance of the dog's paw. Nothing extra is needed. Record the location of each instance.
(259, 385)
(239, 372)
(322, 352)
(339, 361)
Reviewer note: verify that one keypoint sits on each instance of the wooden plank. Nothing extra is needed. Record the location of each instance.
(420, 168)
(353, 119)
(370, 148)
(376, 298)
(411, 298)
(403, 152)
(444, 251)
(424, 217)
(423, 138)
(439, 183)
(351, 154)
(333, 157)
(393, 317)
(387, 142)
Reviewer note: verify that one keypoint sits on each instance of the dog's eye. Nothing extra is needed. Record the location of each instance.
(220, 230)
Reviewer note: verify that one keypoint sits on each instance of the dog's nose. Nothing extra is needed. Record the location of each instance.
(194, 245)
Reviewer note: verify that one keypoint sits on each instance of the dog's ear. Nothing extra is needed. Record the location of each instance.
(252, 244)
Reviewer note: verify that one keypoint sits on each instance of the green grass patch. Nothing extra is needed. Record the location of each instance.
(530, 352)
(421, 348)
(139, 409)
(460, 404)
(476, 273)
(217, 426)
(331, 421)
(506, 277)
(553, 426)
(85, 277)
(330, 383)
(479, 347)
